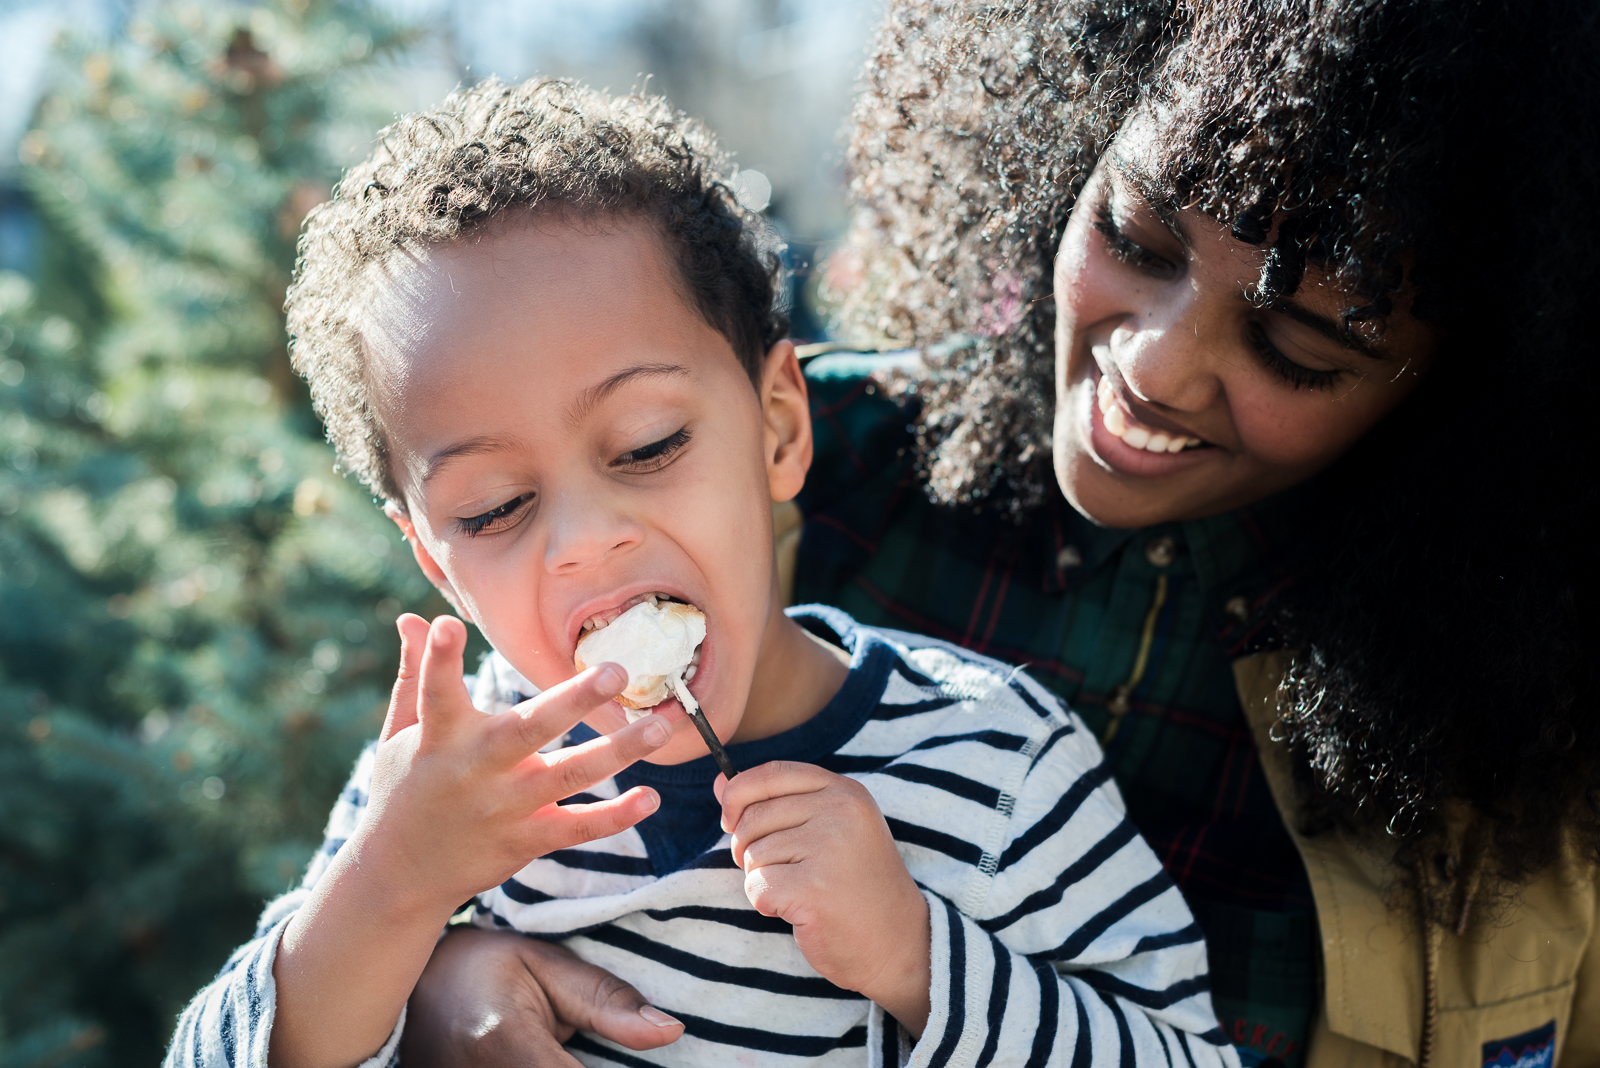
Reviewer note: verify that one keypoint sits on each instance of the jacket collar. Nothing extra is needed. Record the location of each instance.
(1352, 883)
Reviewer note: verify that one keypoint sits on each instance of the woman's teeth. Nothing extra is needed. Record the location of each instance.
(1132, 433)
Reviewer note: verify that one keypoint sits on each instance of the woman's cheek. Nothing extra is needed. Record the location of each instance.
(1299, 429)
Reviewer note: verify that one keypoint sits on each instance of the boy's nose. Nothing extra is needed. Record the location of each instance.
(584, 533)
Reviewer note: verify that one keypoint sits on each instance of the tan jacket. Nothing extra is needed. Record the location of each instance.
(1504, 975)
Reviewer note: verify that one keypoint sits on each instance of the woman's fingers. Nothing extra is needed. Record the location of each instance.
(480, 1005)
(589, 998)
(403, 698)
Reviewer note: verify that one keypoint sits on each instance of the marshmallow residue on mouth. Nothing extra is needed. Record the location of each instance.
(657, 644)
(1131, 431)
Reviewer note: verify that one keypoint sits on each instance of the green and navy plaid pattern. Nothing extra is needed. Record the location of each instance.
(1073, 603)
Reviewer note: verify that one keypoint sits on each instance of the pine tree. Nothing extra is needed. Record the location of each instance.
(195, 610)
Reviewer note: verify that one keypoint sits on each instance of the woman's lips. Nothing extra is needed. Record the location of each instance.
(1135, 432)
(1121, 442)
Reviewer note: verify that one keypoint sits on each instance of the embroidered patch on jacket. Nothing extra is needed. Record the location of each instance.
(1531, 1049)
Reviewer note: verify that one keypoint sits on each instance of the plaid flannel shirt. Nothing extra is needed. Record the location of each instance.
(1135, 629)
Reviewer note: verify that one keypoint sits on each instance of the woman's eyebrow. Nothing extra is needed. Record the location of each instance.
(1335, 332)
(1143, 188)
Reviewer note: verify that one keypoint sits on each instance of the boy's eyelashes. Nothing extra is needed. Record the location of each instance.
(644, 459)
(654, 456)
(495, 518)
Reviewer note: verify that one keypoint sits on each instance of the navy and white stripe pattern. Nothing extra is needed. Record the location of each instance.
(228, 1024)
(1057, 937)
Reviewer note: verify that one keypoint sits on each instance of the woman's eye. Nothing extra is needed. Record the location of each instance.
(1129, 251)
(654, 455)
(1298, 375)
(495, 519)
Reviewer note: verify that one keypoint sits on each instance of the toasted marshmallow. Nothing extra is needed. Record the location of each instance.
(654, 643)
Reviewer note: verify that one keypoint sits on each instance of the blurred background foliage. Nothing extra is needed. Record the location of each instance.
(196, 611)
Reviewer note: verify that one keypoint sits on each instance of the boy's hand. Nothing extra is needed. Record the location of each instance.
(817, 853)
(462, 801)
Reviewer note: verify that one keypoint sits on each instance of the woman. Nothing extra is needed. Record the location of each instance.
(1313, 277)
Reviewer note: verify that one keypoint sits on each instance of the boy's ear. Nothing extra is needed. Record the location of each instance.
(430, 567)
(787, 410)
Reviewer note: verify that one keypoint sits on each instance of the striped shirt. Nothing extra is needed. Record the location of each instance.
(1137, 630)
(1057, 936)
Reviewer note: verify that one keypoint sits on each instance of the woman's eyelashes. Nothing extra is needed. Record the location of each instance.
(1129, 251)
(1298, 375)
(495, 519)
(656, 455)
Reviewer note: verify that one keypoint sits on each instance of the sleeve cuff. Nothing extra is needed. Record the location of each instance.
(388, 1055)
(944, 1040)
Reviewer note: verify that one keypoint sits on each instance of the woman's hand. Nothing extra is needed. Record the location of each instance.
(497, 999)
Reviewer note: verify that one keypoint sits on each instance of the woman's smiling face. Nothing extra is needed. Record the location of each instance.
(1178, 398)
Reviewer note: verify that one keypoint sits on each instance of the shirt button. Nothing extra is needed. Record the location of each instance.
(1161, 551)
(1237, 609)
(1069, 558)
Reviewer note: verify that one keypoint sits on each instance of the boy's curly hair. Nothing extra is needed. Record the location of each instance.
(1445, 594)
(544, 145)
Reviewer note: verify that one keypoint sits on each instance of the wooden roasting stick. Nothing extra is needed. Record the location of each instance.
(709, 736)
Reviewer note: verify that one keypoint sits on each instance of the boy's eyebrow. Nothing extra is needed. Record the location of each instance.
(469, 447)
(600, 391)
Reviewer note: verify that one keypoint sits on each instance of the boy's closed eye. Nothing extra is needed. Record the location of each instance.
(497, 518)
(656, 455)
(644, 459)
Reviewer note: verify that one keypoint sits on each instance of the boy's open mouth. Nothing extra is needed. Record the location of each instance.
(657, 639)
(606, 618)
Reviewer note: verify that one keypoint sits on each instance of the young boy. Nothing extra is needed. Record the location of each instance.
(540, 328)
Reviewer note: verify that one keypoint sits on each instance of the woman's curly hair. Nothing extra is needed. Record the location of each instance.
(1445, 594)
(544, 145)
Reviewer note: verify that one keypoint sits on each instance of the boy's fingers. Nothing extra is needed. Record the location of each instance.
(764, 819)
(775, 779)
(576, 768)
(403, 698)
(564, 826)
(439, 680)
(536, 723)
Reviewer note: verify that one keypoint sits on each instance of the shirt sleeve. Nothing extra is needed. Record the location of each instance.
(1083, 953)
(229, 1023)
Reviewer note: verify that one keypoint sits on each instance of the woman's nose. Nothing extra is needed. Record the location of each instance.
(585, 531)
(1164, 360)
